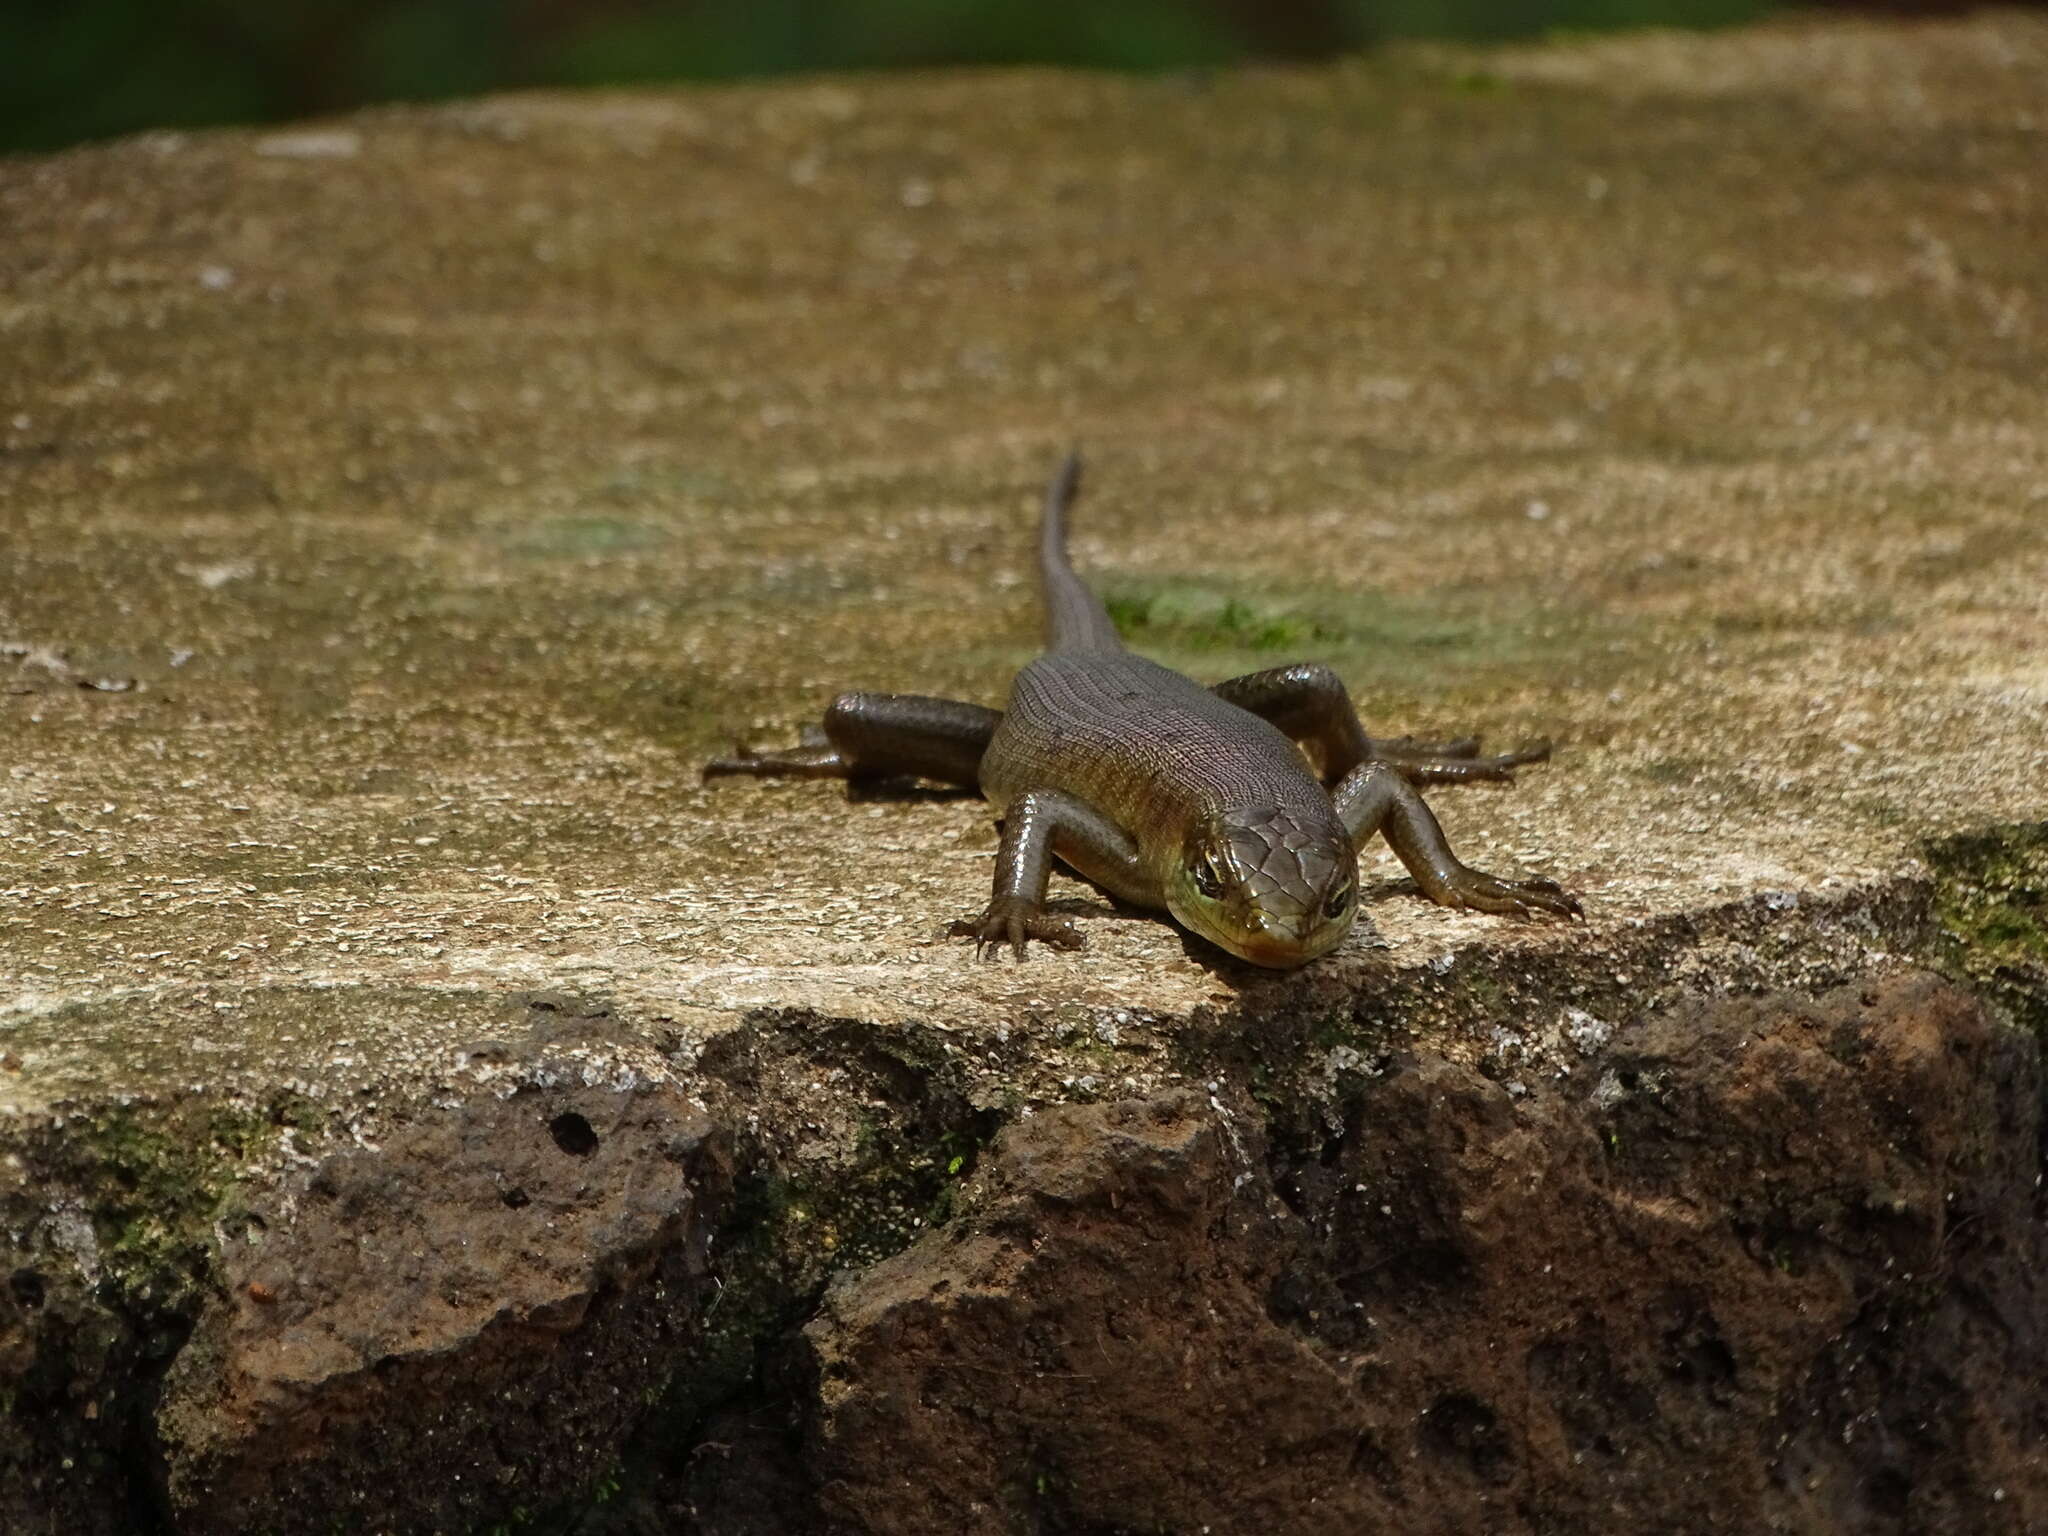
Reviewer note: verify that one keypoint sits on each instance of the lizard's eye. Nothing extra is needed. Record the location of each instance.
(1340, 900)
(1207, 881)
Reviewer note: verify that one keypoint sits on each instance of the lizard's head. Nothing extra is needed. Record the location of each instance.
(1272, 886)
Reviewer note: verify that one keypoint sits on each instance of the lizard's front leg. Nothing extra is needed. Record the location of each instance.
(1309, 702)
(1036, 825)
(879, 736)
(1375, 797)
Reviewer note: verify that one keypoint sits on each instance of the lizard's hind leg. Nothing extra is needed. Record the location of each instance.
(1309, 702)
(878, 736)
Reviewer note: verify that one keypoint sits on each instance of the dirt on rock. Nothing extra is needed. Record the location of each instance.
(1776, 1267)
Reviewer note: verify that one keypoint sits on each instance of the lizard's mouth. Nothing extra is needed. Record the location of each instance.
(1281, 943)
(1277, 943)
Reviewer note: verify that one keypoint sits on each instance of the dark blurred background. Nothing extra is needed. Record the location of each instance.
(83, 69)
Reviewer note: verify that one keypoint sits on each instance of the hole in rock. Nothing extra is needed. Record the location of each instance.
(573, 1134)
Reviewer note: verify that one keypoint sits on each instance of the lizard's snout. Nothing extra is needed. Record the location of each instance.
(1287, 927)
(1284, 940)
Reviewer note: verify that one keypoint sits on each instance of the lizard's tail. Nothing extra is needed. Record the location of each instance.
(1075, 619)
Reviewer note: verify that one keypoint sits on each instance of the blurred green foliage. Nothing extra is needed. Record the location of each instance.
(82, 69)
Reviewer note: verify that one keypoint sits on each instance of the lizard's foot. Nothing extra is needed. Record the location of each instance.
(1534, 897)
(742, 759)
(1421, 763)
(813, 760)
(1011, 920)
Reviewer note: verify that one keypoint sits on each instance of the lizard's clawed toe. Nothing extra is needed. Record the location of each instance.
(1012, 923)
(1544, 898)
(742, 759)
(1534, 897)
(1428, 765)
(1507, 762)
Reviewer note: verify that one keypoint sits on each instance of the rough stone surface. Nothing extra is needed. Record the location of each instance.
(392, 512)
(1777, 1266)
(496, 1290)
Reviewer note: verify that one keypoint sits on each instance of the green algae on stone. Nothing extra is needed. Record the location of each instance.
(164, 1182)
(1991, 899)
(1443, 645)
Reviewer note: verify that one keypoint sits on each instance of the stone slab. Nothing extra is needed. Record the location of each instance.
(395, 511)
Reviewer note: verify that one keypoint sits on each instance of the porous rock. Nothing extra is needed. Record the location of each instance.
(1780, 1268)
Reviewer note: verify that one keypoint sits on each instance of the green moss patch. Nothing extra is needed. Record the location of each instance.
(1211, 629)
(1991, 901)
(163, 1186)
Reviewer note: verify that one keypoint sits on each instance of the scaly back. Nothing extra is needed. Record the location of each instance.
(1075, 619)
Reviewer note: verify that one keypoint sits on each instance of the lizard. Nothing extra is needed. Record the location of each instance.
(1237, 808)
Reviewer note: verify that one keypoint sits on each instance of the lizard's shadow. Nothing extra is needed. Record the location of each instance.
(905, 792)
(1101, 906)
(1371, 895)
(1218, 962)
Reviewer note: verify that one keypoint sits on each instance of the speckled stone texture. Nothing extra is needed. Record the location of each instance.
(417, 1089)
